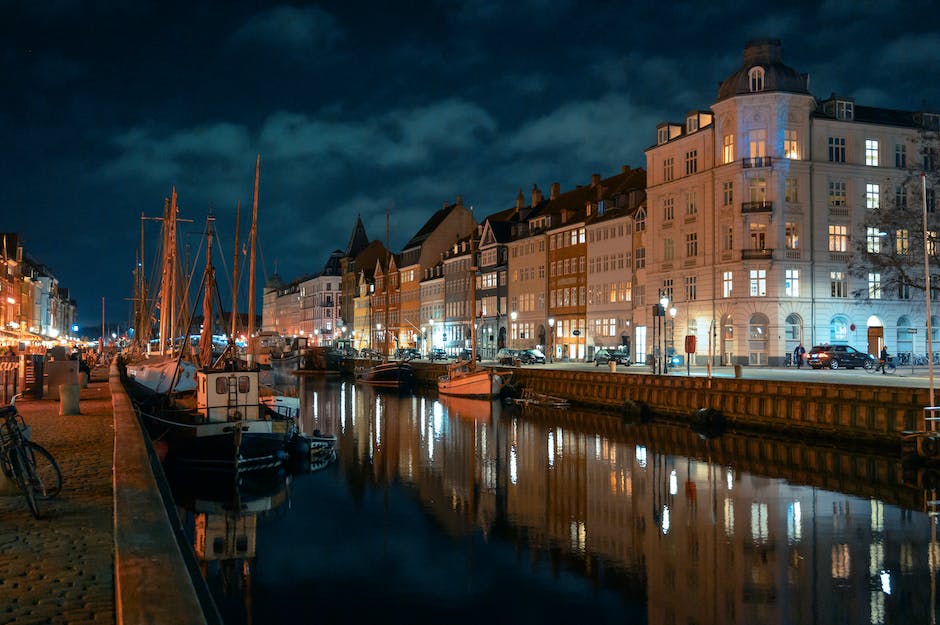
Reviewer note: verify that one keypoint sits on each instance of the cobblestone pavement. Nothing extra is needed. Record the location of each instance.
(60, 569)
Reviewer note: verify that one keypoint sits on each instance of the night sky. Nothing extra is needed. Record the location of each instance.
(368, 107)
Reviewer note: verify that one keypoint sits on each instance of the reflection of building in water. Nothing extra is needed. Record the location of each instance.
(689, 525)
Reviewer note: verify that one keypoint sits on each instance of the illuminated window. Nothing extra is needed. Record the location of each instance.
(792, 236)
(838, 286)
(872, 196)
(792, 282)
(838, 238)
(727, 149)
(727, 281)
(872, 240)
(791, 144)
(874, 285)
(902, 241)
(871, 152)
(758, 282)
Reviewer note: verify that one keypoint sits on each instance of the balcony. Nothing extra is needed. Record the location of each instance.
(764, 206)
(757, 254)
(757, 161)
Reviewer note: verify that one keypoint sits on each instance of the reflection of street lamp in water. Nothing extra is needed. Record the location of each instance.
(663, 302)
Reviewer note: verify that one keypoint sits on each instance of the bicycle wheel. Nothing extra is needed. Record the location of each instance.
(47, 477)
(22, 475)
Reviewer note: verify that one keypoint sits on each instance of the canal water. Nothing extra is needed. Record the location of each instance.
(454, 511)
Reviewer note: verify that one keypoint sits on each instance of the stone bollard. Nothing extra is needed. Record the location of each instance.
(612, 364)
(83, 378)
(68, 399)
(737, 371)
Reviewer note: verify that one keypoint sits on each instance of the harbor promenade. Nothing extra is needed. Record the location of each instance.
(104, 550)
(60, 569)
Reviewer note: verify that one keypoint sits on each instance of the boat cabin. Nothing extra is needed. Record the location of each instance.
(228, 395)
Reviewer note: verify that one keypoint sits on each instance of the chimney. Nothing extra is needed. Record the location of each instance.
(520, 201)
(536, 195)
(460, 201)
(624, 169)
(595, 179)
(555, 191)
(444, 205)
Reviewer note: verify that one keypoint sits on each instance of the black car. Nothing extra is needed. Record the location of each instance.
(437, 353)
(531, 357)
(466, 354)
(407, 353)
(602, 357)
(507, 356)
(835, 356)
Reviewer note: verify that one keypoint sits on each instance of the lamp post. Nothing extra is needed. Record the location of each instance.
(672, 329)
(378, 328)
(551, 335)
(513, 315)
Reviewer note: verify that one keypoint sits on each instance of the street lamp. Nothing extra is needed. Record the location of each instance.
(551, 335)
(663, 304)
(513, 316)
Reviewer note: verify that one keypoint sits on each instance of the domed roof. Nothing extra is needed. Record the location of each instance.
(764, 53)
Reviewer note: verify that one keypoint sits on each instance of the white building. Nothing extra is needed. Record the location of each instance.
(759, 212)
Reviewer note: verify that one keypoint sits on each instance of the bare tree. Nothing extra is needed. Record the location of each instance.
(891, 244)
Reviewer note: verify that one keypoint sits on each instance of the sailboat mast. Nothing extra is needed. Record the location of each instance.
(251, 266)
(234, 320)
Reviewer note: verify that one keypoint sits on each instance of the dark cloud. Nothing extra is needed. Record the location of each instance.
(358, 108)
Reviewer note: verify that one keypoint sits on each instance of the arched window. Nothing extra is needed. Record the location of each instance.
(905, 344)
(839, 330)
(756, 79)
(757, 339)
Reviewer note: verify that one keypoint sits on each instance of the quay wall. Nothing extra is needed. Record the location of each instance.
(867, 413)
(152, 581)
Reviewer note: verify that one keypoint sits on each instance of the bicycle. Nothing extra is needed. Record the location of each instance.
(788, 359)
(27, 464)
(889, 366)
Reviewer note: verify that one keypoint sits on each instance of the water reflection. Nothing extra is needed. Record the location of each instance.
(587, 517)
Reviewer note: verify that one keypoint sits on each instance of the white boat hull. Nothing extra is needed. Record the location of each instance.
(157, 375)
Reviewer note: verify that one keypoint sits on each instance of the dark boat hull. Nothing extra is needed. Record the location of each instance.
(387, 375)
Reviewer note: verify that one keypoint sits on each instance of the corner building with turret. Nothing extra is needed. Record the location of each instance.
(759, 221)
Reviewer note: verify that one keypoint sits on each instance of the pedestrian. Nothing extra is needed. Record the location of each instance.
(798, 352)
(882, 359)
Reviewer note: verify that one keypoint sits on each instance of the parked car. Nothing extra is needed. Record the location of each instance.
(835, 356)
(437, 353)
(407, 353)
(467, 354)
(369, 353)
(507, 356)
(603, 356)
(531, 357)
